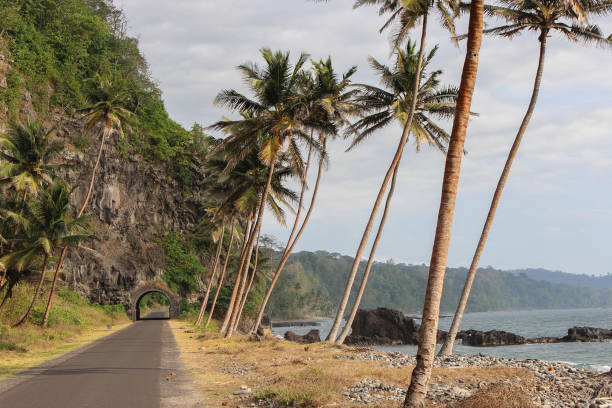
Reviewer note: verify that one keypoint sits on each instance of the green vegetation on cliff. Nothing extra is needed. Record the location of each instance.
(56, 47)
(313, 280)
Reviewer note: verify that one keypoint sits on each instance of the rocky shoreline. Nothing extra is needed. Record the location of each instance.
(384, 326)
(553, 384)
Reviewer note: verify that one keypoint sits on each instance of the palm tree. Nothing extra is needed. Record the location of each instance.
(26, 163)
(47, 229)
(407, 12)
(388, 106)
(66, 233)
(330, 105)
(107, 111)
(544, 17)
(27, 157)
(415, 397)
(273, 122)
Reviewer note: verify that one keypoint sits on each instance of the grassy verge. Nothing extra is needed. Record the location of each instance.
(73, 322)
(298, 375)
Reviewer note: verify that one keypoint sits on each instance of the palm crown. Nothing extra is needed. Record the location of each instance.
(27, 156)
(393, 102)
(548, 15)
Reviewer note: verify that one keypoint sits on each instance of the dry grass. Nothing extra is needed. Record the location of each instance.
(296, 374)
(499, 396)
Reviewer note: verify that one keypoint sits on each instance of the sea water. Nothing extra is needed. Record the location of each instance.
(528, 323)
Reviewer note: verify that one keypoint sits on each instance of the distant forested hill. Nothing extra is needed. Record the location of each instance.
(586, 281)
(313, 282)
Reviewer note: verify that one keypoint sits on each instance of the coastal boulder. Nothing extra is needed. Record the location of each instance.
(382, 326)
(587, 334)
(312, 336)
(489, 338)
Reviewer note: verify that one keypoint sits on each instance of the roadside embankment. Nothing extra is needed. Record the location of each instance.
(73, 322)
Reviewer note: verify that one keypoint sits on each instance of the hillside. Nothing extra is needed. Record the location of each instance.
(582, 280)
(313, 282)
(54, 58)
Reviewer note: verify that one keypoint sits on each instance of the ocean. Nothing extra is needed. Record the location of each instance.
(527, 323)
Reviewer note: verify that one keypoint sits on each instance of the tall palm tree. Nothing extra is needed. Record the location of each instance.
(543, 17)
(273, 122)
(408, 13)
(391, 105)
(48, 228)
(415, 397)
(330, 107)
(240, 192)
(108, 112)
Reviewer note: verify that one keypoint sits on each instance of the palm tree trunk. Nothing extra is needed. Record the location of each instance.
(368, 268)
(222, 278)
(87, 196)
(288, 251)
(250, 285)
(212, 277)
(23, 203)
(394, 164)
(48, 309)
(415, 397)
(40, 283)
(230, 307)
(299, 210)
(262, 206)
(9, 292)
(447, 348)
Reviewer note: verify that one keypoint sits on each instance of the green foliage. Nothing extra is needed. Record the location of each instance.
(57, 46)
(313, 281)
(183, 268)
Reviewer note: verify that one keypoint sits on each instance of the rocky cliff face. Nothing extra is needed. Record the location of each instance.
(132, 202)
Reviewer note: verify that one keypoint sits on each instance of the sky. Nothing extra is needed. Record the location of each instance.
(556, 210)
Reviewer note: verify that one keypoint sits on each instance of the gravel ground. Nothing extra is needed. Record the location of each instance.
(554, 385)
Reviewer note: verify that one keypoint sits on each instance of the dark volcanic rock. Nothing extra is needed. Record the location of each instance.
(490, 338)
(384, 326)
(587, 334)
(312, 336)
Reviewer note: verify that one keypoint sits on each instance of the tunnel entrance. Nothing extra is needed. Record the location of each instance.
(153, 306)
(148, 297)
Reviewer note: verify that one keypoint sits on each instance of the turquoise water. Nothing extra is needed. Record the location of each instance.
(529, 323)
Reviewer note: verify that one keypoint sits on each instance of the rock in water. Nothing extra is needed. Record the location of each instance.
(312, 336)
(385, 326)
(490, 338)
(587, 334)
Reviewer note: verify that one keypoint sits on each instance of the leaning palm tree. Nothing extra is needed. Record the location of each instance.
(48, 228)
(415, 396)
(273, 121)
(543, 17)
(407, 13)
(66, 233)
(330, 105)
(391, 105)
(217, 235)
(108, 113)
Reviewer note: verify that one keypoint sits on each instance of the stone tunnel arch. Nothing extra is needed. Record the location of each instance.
(150, 287)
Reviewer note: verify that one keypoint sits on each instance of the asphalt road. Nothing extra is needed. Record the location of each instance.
(122, 370)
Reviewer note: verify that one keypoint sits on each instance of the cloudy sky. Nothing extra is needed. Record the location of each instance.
(556, 210)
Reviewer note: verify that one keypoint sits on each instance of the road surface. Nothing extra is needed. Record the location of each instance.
(125, 369)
